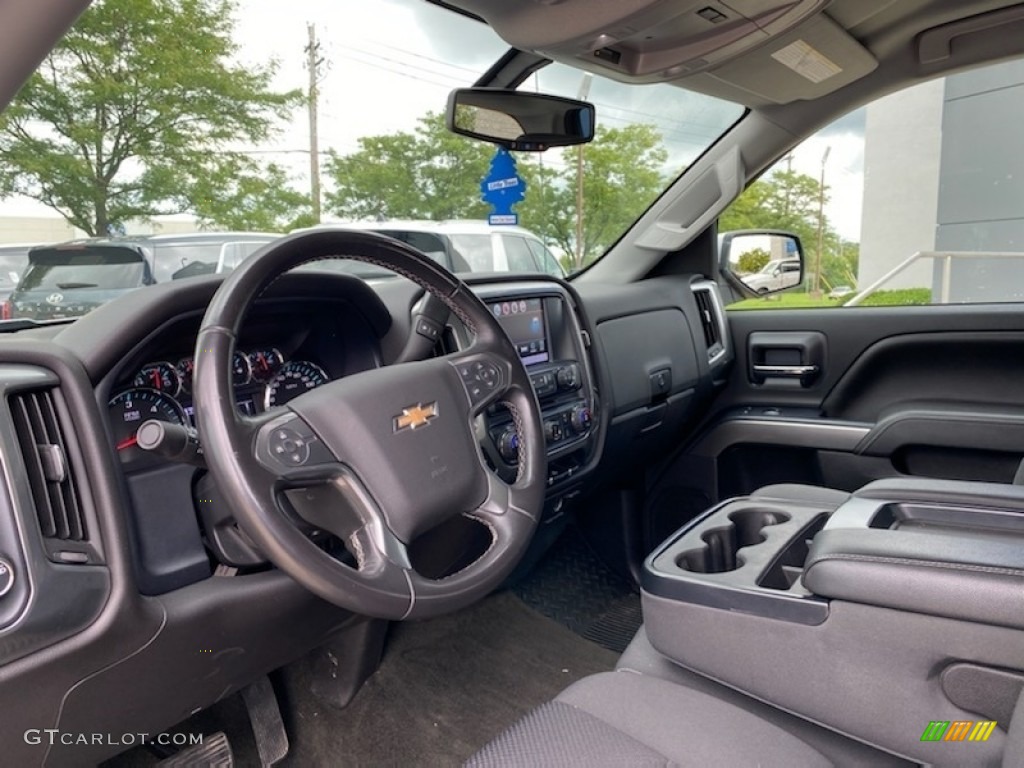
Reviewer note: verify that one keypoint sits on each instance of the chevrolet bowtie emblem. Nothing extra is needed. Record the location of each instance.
(415, 416)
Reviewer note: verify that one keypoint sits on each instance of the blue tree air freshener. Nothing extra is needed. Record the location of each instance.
(502, 188)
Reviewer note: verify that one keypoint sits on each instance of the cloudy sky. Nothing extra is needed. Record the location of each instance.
(388, 62)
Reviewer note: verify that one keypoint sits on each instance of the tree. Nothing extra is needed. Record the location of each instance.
(243, 196)
(426, 173)
(753, 260)
(621, 176)
(430, 173)
(784, 200)
(135, 114)
(789, 201)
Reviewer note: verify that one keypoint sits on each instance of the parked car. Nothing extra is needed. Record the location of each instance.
(465, 245)
(13, 260)
(776, 275)
(70, 279)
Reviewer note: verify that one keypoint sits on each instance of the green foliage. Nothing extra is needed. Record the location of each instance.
(894, 298)
(243, 196)
(428, 173)
(753, 260)
(899, 297)
(135, 113)
(621, 176)
(789, 201)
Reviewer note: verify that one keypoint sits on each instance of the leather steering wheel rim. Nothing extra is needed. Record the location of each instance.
(375, 458)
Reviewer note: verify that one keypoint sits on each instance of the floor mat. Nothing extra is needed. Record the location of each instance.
(445, 687)
(573, 587)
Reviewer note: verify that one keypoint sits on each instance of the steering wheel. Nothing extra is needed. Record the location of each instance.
(376, 458)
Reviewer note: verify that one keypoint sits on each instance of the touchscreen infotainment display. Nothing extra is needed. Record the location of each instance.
(523, 321)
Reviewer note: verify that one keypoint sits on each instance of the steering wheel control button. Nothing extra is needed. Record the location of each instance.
(6, 577)
(289, 447)
(480, 377)
(428, 329)
(289, 443)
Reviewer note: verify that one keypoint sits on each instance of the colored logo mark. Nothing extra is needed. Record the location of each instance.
(958, 730)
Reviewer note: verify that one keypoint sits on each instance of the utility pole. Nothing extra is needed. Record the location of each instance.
(816, 283)
(313, 63)
(789, 185)
(582, 95)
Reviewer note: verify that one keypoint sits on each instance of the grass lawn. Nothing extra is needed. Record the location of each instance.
(785, 301)
(893, 298)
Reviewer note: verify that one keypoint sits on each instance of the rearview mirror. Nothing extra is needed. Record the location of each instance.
(764, 261)
(526, 122)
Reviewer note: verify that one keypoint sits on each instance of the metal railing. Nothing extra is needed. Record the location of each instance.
(947, 258)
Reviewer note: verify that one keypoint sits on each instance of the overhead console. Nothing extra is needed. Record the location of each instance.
(782, 43)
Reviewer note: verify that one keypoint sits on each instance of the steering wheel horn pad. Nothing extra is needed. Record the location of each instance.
(376, 458)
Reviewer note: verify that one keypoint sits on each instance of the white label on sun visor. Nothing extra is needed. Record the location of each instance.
(807, 62)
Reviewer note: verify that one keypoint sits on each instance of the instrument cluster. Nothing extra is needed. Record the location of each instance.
(162, 390)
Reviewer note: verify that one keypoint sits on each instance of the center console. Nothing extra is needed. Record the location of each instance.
(540, 321)
(873, 613)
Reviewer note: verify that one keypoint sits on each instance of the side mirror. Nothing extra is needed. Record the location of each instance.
(763, 261)
(525, 122)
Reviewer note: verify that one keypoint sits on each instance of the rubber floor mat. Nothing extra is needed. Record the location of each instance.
(576, 589)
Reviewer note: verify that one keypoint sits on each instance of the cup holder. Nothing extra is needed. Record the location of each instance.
(718, 555)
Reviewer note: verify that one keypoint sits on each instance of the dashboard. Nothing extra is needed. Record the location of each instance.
(119, 559)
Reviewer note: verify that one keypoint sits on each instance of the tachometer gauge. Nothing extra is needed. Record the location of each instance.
(265, 363)
(292, 380)
(130, 409)
(185, 368)
(241, 371)
(160, 376)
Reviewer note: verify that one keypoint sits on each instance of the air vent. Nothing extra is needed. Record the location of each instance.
(55, 491)
(710, 322)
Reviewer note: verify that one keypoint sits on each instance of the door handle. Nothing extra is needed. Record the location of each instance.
(790, 371)
(786, 358)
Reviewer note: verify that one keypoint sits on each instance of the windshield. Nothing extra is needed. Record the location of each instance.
(331, 112)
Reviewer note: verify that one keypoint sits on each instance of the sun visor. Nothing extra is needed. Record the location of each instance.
(805, 63)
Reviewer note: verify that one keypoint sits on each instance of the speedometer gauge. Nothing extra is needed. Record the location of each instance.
(161, 376)
(241, 371)
(130, 409)
(265, 363)
(292, 380)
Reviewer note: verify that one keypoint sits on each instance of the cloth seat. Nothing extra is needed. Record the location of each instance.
(627, 719)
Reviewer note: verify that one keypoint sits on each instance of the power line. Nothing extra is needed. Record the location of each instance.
(451, 84)
(469, 70)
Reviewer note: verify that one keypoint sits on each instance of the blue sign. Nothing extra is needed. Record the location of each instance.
(502, 188)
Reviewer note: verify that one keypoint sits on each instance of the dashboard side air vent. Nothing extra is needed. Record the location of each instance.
(711, 320)
(55, 489)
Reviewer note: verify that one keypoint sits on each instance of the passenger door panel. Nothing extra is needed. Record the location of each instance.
(932, 391)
